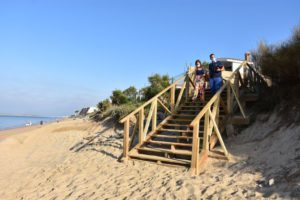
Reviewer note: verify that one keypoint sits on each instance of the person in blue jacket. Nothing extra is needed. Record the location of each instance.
(215, 74)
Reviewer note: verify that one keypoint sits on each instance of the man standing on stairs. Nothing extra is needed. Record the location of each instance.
(215, 74)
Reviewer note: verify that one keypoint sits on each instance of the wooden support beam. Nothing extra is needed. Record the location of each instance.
(192, 83)
(206, 132)
(187, 89)
(240, 80)
(141, 126)
(214, 113)
(134, 133)
(164, 106)
(218, 133)
(126, 139)
(238, 101)
(149, 118)
(222, 103)
(180, 95)
(154, 116)
(173, 98)
(195, 148)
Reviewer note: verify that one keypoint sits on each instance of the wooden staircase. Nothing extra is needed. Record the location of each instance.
(171, 143)
(188, 132)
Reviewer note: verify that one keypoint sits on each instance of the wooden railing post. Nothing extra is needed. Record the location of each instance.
(154, 116)
(141, 126)
(173, 88)
(229, 105)
(195, 148)
(126, 139)
(205, 134)
(218, 110)
(187, 87)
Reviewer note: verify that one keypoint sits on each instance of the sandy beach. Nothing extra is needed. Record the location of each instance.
(41, 163)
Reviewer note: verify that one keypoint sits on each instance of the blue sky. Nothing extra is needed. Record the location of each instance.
(59, 56)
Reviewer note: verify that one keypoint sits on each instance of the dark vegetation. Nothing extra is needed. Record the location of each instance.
(281, 63)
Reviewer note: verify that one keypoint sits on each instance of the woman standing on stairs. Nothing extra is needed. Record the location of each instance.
(200, 75)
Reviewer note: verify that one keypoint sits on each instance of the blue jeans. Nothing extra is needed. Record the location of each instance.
(215, 84)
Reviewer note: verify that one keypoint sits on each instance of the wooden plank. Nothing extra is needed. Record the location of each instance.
(154, 116)
(218, 133)
(163, 105)
(202, 158)
(213, 141)
(158, 158)
(161, 150)
(176, 125)
(141, 126)
(171, 136)
(169, 143)
(192, 83)
(238, 101)
(193, 106)
(149, 118)
(172, 98)
(206, 130)
(229, 105)
(180, 95)
(184, 115)
(134, 134)
(187, 87)
(222, 103)
(214, 113)
(195, 148)
(126, 139)
(181, 120)
(174, 130)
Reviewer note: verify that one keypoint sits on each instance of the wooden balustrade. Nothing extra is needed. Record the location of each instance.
(141, 123)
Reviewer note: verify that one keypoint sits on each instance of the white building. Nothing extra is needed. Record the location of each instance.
(92, 110)
(231, 64)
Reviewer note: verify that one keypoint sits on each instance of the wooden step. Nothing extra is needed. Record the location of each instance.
(175, 125)
(181, 120)
(172, 136)
(194, 110)
(192, 106)
(169, 143)
(159, 158)
(174, 130)
(160, 150)
(184, 115)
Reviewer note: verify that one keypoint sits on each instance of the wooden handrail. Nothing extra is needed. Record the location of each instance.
(154, 98)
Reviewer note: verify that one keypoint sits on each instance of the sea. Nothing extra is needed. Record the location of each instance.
(9, 122)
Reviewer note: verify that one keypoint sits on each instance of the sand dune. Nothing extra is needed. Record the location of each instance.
(38, 164)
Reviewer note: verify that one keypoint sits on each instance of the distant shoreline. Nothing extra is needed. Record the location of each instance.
(4, 133)
(53, 119)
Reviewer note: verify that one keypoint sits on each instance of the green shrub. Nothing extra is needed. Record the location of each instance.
(157, 84)
(118, 112)
(118, 97)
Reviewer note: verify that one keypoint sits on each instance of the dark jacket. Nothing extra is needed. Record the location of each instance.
(213, 66)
